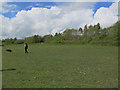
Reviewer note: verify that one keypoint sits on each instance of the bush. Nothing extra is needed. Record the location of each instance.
(19, 41)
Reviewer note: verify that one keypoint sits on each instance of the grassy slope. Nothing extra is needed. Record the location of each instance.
(61, 66)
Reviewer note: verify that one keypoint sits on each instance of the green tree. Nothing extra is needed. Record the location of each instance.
(36, 39)
(81, 31)
(19, 41)
(98, 29)
(85, 30)
(48, 38)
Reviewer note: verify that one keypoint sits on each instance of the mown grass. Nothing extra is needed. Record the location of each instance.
(60, 66)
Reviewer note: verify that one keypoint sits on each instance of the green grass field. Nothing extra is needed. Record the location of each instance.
(60, 66)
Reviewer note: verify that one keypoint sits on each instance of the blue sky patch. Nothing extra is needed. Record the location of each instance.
(101, 4)
(28, 5)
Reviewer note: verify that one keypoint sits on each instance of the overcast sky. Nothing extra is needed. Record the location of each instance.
(23, 19)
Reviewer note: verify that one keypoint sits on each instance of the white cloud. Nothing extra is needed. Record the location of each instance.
(107, 16)
(44, 21)
(59, 0)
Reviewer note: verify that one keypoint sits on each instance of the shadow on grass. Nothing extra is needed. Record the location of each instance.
(7, 70)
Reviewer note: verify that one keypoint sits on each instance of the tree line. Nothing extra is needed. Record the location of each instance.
(92, 34)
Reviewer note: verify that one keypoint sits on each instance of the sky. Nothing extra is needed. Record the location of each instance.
(23, 19)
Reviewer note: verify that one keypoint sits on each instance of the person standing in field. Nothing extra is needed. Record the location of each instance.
(26, 48)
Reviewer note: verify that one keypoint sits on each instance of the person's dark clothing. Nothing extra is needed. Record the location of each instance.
(26, 47)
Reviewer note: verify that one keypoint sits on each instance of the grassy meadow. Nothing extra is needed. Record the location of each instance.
(60, 66)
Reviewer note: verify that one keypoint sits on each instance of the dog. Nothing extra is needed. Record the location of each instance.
(8, 50)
